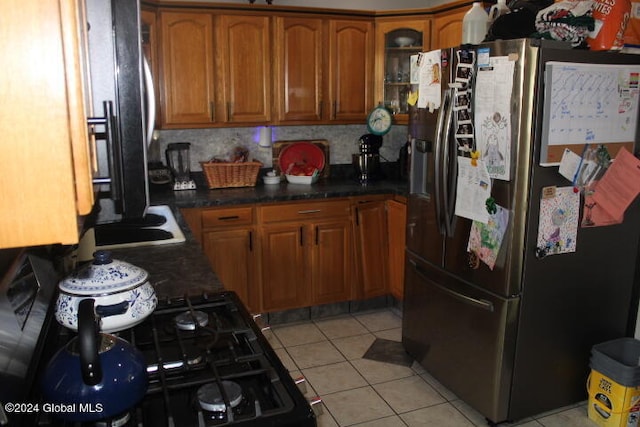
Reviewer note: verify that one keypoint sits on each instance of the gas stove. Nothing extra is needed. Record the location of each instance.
(208, 364)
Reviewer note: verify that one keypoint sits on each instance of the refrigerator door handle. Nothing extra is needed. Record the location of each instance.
(447, 198)
(151, 100)
(479, 303)
(438, 159)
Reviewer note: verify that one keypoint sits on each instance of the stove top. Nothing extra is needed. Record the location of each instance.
(209, 364)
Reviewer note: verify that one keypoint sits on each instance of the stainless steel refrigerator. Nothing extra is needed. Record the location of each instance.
(514, 341)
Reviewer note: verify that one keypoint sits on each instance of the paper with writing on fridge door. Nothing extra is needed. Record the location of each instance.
(558, 222)
(472, 190)
(588, 104)
(485, 240)
(430, 80)
(491, 109)
(620, 185)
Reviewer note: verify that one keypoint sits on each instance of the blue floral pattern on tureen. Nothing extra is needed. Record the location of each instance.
(104, 278)
(142, 301)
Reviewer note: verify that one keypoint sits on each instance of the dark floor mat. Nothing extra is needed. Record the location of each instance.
(388, 351)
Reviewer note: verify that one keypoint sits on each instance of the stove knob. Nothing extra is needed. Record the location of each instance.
(301, 382)
(260, 323)
(316, 405)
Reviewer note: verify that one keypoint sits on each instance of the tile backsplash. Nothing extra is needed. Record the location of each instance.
(343, 140)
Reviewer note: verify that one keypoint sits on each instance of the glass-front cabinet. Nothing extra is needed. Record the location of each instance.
(396, 42)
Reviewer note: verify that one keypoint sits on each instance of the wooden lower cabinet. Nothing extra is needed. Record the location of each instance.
(371, 246)
(231, 255)
(228, 239)
(306, 255)
(396, 232)
(331, 262)
(281, 256)
(285, 271)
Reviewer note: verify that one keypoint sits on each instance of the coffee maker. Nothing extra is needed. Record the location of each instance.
(179, 162)
(367, 162)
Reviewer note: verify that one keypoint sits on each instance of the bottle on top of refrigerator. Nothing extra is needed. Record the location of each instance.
(498, 9)
(475, 24)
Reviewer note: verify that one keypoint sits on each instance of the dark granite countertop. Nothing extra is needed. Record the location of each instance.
(182, 269)
(340, 186)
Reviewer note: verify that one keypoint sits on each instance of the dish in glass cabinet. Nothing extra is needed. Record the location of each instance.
(404, 41)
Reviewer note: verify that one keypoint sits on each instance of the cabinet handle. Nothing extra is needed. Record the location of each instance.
(250, 241)
(309, 211)
(212, 109)
(335, 109)
(228, 218)
(229, 111)
(301, 236)
(357, 217)
(317, 236)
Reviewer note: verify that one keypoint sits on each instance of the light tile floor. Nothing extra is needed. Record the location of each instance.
(361, 392)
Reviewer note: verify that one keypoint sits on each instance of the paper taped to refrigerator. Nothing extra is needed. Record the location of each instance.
(558, 226)
(473, 189)
(491, 110)
(485, 240)
(430, 77)
(588, 104)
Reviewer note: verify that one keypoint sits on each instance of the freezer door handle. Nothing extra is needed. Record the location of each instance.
(480, 303)
(448, 200)
(443, 117)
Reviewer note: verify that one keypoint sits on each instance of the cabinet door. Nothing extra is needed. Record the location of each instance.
(285, 280)
(187, 68)
(231, 254)
(246, 75)
(396, 42)
(331, 262)
(45, 154)
(371, 248)
(447, 29)
(396, 226)
(298, 76)
(350, 70)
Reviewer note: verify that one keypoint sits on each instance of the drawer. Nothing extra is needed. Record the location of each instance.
(369, 198)
(303, 211)
(242, 215)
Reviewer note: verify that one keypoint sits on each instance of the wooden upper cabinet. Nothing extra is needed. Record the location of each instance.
(47, 170)
(396, 42)
(246, 68)
(187, 76)
(350, 69)
(298, 69)
(446, 30)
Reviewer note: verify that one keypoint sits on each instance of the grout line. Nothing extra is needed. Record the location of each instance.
(535, 419)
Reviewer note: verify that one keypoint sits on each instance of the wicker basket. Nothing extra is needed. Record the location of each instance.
(225, 175)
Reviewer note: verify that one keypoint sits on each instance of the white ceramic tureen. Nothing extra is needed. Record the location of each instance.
(122, 293)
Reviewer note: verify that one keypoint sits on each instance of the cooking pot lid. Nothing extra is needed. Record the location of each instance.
(104, 275)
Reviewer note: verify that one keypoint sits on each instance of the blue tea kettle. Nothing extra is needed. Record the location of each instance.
(95, 376)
